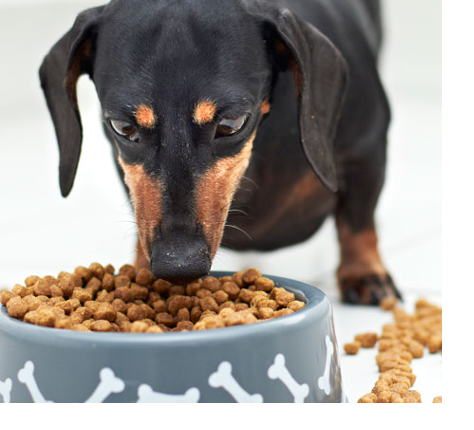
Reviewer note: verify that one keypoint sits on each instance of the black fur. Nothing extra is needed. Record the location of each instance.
(170, 54)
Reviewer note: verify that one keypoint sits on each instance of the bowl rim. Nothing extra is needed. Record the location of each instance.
(313, 310)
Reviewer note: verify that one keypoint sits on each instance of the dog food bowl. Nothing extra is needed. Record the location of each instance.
(288, 359)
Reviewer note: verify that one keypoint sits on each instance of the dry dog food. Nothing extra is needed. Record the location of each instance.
(400, 343)
(96, 299)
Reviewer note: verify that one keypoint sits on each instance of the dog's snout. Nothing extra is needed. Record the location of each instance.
(183, 259)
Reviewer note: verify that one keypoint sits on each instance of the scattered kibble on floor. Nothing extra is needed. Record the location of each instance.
(401, 342)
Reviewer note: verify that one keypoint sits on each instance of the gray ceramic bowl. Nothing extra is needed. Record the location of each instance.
(288, 359)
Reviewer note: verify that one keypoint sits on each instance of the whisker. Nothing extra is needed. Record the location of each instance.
(239, 229)
(240, 211)
(251, 181)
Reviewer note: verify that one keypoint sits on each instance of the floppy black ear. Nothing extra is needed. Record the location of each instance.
(71, 57)
(321, 76)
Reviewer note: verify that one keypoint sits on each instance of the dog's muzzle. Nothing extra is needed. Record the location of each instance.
(180, 256)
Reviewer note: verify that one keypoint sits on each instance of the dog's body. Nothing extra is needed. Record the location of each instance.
(287, 203)
(199, 97)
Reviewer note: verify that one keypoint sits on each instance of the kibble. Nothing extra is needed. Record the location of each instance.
(400, 343)
(95, 299)
(352, 347)
(367, 340)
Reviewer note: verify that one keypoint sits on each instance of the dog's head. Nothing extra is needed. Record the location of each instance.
(183, 86)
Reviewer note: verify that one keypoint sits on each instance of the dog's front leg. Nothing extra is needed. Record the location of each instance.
(362, 276)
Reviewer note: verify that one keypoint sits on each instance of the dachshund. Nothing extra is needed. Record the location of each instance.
(199, 97)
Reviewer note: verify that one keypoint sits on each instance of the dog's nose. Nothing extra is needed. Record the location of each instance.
(183, 261)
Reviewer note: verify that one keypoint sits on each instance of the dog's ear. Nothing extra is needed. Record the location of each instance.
(321, 76)
(71, 57)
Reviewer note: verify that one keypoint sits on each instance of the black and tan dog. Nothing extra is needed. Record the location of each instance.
(196, 94)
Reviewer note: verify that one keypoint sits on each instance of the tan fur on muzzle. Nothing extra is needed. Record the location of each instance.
(215, 192)
(146, 195)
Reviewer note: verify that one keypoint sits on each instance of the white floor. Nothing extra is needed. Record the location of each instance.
(41, 233)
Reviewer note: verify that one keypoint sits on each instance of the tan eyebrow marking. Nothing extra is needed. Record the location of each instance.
(145, 116)
(204, 112)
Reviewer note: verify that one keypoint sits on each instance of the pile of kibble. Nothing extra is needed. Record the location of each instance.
(95, 299)
(398, 345)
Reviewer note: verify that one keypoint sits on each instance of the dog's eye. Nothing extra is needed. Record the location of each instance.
(231, 126)
(126, 130)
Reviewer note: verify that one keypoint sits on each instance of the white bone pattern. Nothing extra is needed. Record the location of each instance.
(5, 390)
(147, 395)
(26, 376)
(223, 379)
(109, 384)
(323, 382)
(279, 371)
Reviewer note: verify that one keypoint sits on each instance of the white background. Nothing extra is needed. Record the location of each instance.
(41, 233)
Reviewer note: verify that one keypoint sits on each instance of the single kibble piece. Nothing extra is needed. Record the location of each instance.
(212, 284)
(17, 307)
(250, 276)
(139, 327)
(231, 289)
(165, 319)
(97, 270)
(283, 297)
(209, 304)
(388, 303)
(108, 282)
(435, 344)
(264, 284)
(438, 399)
(105, 312)
(5, 296)
(129, 271)
(144, 277)
(100, 325)
(352, 348)
(122, 281)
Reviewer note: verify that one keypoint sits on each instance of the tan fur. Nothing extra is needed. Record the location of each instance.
(265, 108)
(146, 196)
(141, 261)
(282, 49)
(215, 192)
(204, 112)
(305, 188)
(359, 253)
(297, 76)
(145, 116)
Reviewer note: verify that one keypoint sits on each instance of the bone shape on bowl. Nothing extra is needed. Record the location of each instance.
(323, 382)
(147, 395)
(108, 384)
(223, 379)
(279, 371)
(5, 390)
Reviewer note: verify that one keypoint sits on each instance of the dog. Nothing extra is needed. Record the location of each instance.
(200, 97)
